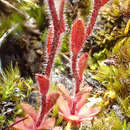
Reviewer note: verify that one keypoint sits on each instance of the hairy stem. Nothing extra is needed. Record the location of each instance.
(75, 73)
(52, 54)
(61, 12)
(92, 20)
(53, 14)
(73, 107)
(42, 114)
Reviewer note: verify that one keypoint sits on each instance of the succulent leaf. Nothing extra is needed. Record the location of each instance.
(47, 124)
(20, 125)
(51, 101)
(43, 83)
(87, 111)
(28, 109)
(77, 36)
(65, 94)
(82, 64)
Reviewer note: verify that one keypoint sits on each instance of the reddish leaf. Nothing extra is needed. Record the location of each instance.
(28, 109)
(47, 124)
(82, 64)
(29, 123)
(77, 36)
(49, 41)
(73, 118)
(43, 83)
(57, 128)
(63, 106)
(81, 97)
(20, 125)
(65, 94)
(81, 102)
(51, 101)
(87, 111)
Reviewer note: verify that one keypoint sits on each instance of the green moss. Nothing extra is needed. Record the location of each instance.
(109, 121)
(13, 90)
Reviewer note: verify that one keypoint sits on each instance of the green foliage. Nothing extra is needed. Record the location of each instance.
(65, 44)
(109, 121)
(109, 76)
(125, 103)
(8, 22)
(111, 67)
(11, 82)
(58, 63)
(13, 90)
(23, 12)
(39, 14)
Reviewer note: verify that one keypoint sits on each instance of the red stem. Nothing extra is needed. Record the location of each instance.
(58, 29)
(73, 107)
(75, 73)
(61, 12)
(42, 114)
(92, 20)
(74, 58)
(52, 53)
(53, 14)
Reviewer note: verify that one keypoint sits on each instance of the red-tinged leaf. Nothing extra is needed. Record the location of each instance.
(57, 128)
(84, 90)
(63, 106)
(29, 123)
(65, 94)
(61, 16)
(73, 118)
(43, 83)
(20, 125)
(28, 109)
(81, 98)
(47, 124)
(77, 36)
(82, 64)
(87, 111)
(51, 101)
(81, 102)
(50, 40)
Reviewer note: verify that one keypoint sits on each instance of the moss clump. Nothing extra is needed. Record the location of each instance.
(13, 90)
(109, 121)
(110, 64)
(110, 25)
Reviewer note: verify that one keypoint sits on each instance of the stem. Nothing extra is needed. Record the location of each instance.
(73, 107)
(57, 32)
(54, 15)
(92, 20)
(76, 76)
(52, 54)
(61, 12)
(42, 114)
